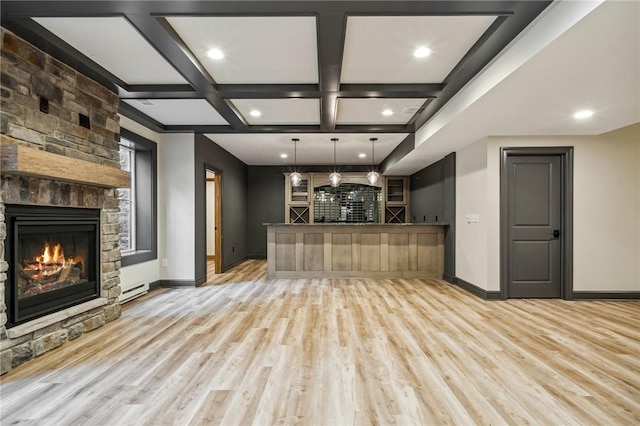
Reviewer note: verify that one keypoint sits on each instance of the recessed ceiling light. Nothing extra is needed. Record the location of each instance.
(255, 113)
(283, 155)
(362, 155)
(581, 115)
(422, 52)
(215, 53)
(387, 112)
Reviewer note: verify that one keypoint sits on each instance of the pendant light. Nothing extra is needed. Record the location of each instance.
(334, 178)
(296, 178)
(373, 176)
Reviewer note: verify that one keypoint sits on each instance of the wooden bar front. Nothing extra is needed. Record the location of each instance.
(355, 250)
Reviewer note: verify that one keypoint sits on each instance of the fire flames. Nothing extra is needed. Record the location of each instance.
(51, 263)
(49, 271)
(47, 258)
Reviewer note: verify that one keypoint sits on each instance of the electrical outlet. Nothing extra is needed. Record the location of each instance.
(473, 217)
(164, 263)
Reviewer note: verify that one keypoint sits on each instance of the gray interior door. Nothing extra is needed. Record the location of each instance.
(534, 218)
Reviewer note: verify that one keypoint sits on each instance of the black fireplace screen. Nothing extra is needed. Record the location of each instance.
(53, 256)
(49, 260)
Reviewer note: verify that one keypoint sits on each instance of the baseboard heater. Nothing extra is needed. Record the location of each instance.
(133, 291)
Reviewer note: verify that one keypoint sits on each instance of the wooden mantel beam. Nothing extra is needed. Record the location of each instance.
(24, 161)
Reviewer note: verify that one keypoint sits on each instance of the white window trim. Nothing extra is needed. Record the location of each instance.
(124, 144)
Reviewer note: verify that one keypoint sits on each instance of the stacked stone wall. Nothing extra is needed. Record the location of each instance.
(29, 79)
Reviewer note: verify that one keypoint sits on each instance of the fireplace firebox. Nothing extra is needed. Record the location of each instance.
(53, 255)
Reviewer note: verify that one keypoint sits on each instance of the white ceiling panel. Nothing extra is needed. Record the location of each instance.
(379, 49)
(577, 70)
(103, 41)
(260, 50)
(178, 112)
(370, 110)
(313, 149)
(279, 111)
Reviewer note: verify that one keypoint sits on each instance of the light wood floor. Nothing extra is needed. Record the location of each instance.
(331, 352)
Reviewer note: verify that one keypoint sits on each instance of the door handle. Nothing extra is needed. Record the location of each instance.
(556, 233)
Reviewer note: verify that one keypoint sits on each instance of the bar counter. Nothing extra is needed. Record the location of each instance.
(349, 250)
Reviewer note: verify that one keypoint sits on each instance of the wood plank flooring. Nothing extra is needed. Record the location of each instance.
(247, 350)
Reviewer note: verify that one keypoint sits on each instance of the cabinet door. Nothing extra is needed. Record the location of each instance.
(297, 206)
(300, 193)
(396, 206)
(396, 190)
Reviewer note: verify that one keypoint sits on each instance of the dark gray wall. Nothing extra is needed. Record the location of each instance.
(208, 155)
(427, 194)
(266, 205)
(433, 198)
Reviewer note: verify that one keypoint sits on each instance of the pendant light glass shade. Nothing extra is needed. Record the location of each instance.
(373, 176)
(295, 177)
(335, 177)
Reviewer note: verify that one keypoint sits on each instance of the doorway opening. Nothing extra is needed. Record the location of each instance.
(214, 222)
(536, 222)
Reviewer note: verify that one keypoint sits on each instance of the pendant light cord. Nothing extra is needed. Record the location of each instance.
(373, 152)
(334, 153)
(295, 153)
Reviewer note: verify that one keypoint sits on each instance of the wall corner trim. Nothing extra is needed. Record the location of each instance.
(154, 285)
(225, 268)
(477, 291)
(176, 283)
(602, 295)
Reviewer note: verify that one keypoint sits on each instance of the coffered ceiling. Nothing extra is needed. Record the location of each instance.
(314, 70)
(353, 68)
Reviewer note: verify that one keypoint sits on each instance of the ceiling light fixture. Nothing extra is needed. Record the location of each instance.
(283, 155)
(581, 115)
(373, 176)
(296, 178)
(422, 52)
(362, 155)
(335, 177)
(215, 54)
(255, 113)
(387, 112)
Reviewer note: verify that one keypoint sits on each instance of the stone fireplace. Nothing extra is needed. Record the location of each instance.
(59, 232)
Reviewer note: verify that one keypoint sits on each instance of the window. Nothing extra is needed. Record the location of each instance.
(127, 199)
(138, 204)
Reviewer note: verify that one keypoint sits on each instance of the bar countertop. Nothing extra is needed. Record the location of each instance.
(357, 224)
(355, 250)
